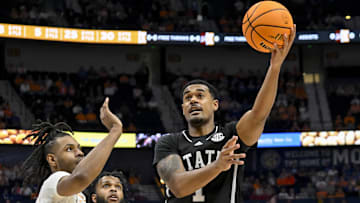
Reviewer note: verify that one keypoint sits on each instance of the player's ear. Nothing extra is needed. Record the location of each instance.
(51, 159)
(215, 104)
(93, 198)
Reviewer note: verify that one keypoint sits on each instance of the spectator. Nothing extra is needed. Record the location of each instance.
(283, 194)
(25, 190)
(349, 121)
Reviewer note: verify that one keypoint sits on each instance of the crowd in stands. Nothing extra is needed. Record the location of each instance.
(303, 183)
(8, 119)
(12, 187)
(347, 100)
(344, 101)
(76, 98)
(171, 15)
(237, 95)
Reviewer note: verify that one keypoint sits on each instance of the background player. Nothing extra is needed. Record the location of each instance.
(109, 187)
(59, 165)
(199, 164)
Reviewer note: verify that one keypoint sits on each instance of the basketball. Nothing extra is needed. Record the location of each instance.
(265, 23)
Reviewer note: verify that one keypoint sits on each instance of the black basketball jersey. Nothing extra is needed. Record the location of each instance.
(197, 152)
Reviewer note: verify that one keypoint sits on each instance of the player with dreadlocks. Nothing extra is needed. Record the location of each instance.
(59, 165)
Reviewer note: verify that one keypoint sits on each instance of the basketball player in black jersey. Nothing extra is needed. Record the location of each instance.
(203, 163)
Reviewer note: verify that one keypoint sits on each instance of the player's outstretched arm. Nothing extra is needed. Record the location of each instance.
(91, 166)
(251, 124)
(183, 183)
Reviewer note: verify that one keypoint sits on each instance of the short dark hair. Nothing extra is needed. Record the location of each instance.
(36, 168)
(213, 91)
(117, 174)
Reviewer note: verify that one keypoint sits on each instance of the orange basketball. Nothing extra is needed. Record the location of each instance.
(265, 23)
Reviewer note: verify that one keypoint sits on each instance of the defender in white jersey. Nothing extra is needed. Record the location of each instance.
(59, 165)
(48, 192)
(203, 163)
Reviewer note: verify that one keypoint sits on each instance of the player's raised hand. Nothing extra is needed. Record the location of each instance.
(108, 119)
(278, 55)
(227, 156)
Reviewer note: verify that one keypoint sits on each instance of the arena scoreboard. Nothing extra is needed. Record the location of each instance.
(72, 35)
(141, 37)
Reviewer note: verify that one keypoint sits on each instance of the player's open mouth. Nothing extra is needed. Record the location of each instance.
(195, 112)
(113, 198)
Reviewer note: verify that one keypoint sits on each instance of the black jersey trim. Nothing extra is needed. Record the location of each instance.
(210, 136)
(186, 137)
(216, 130)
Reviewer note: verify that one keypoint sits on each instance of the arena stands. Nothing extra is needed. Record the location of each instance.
(303, 184)
(344, 97)
(76, 98)
(171, 15)
(12, 188)
(7, 117)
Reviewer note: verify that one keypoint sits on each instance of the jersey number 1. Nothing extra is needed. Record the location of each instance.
(198, 196)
